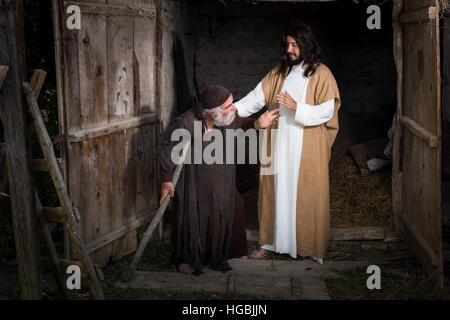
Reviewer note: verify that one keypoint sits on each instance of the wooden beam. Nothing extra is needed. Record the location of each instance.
(419, 131)
(3, 72)
(114, 9)
(425, 14)
(55, 214)
(357, 233)
(13, 115)
(61, 190)
(37, 81)
(119, 232)
(109, 128)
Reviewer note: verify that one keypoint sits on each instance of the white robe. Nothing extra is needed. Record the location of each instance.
(288, 152)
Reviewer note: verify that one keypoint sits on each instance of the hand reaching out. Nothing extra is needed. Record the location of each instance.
(286, 100)
(267, 119)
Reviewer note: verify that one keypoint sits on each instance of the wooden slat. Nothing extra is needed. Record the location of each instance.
(146, 184)
(357, 233)
(419, 131)
(13, 109)
(95, 169)
(110, 128)
(121, 92)
(50, 246)
(419, 15)
(47, 149)
(3, 72)
(147, 11)
(55, 214)
(120, 232)
(41, 165)
(37, 81)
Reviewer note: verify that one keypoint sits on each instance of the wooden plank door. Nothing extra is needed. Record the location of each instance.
(417, 156)
(108, 115)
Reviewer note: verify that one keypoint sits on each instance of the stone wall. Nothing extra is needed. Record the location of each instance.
(237, 44)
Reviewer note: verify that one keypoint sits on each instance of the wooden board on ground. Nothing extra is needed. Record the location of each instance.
(273, 287)
(357, 233)
(361, 151)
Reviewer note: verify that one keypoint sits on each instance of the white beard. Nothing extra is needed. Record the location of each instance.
(221, 121)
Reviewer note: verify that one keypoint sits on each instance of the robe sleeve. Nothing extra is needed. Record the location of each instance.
(166, 165)
(245, 123)
(323, 88)
(308, 115)
(252, 102)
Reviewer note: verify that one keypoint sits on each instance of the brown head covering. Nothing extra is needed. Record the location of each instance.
(214, 96)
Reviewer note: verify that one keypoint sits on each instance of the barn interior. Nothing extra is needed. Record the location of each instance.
(235, 44)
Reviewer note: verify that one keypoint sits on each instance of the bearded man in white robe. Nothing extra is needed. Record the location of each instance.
(293, 200)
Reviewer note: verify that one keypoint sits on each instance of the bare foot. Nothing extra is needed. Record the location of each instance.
(258, 254)
(244, 257)
(185, 268)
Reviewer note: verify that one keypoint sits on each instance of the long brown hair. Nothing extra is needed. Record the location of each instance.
(310, 50)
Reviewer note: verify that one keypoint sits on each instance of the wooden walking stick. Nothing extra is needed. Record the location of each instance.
(159, 214)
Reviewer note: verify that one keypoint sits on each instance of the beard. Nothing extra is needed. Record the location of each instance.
(295, 61)
(221, 120)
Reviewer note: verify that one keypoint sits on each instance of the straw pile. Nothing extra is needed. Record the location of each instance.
(357, 200)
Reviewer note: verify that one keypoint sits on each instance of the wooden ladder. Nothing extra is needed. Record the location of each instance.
(67, 214)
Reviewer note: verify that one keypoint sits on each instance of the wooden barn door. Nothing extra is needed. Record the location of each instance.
(417, 156)
(108, 116)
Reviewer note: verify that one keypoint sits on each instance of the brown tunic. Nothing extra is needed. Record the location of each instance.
(206, 202)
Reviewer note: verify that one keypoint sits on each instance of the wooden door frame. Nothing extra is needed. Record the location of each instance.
(430, 258)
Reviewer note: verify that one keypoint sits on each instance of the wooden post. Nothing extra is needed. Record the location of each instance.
(397, 201)
(13, 115)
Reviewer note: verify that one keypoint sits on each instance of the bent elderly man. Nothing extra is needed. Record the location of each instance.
(208, 225)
